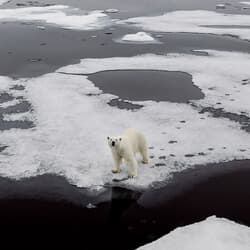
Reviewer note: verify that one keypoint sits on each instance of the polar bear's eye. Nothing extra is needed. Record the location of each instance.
(120, 139)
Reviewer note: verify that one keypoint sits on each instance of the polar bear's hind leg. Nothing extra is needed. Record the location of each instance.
(144, 151)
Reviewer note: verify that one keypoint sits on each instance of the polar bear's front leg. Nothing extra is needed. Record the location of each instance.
(132, 164)
(118, 161)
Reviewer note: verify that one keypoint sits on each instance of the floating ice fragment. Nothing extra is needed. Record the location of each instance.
(212, 233)
(138, 37)
(41, 27)
(90, 206)
(220, 6)
(111, 11)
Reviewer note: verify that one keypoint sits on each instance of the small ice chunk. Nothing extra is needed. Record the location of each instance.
(138, 37)
(212, 233)
(246, 3)
(111, 11)
(220, 6)
(90, 206)
(41, 27)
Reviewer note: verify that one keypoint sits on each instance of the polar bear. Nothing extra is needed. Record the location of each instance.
(126, 146)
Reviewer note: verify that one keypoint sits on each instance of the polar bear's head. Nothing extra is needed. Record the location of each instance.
(114, 141)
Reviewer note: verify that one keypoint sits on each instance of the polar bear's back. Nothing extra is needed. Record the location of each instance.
(136, 139)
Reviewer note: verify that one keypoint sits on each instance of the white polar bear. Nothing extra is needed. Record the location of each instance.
(126, 146)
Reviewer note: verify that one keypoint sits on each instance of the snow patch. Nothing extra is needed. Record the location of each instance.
(196, 21)
(61, 15)
(212, 233)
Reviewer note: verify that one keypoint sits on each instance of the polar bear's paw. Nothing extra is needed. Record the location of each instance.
(131, 175)
(145, 161)
(115, 171)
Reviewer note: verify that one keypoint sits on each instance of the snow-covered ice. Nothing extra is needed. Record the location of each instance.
(69, 138)
(141, 37)
(212, 233)
(61, 15)
(195, 21)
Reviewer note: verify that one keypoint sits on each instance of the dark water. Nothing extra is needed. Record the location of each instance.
(48, 211)
(141, 85)
(27, 51)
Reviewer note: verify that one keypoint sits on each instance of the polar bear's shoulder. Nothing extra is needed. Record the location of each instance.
(130, 132)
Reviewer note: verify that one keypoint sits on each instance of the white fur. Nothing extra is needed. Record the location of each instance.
(125, 147)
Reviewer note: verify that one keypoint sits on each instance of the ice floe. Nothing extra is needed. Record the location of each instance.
(61, 15)
(212, 233)
(195, 21)
(140, 37)
(72, 120)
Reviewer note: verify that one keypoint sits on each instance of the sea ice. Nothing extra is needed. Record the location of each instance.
(195, 21)
(212, 233)
(61, 15)
(72, 120)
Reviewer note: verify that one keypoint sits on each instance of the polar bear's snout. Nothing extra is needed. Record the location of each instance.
(113, 143)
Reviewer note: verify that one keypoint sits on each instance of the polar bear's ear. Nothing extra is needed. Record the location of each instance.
(108, 138)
